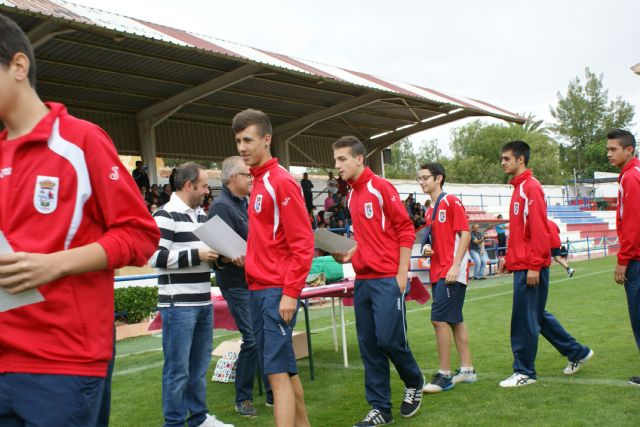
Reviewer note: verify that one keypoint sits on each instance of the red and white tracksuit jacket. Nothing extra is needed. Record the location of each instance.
(63, 186)
(381, 225)
(280, 240)
(628, 212)
(528, 228)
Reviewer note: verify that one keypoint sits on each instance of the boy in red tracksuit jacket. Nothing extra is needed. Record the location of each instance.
(277, 263)
(528, 258)
(620, 151)
(385, 236)
(73, 214)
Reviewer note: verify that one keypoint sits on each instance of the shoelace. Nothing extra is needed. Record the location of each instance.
(574, 365)
(409, 395)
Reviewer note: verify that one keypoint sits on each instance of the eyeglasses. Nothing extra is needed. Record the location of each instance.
(248, 175)
(423, 178)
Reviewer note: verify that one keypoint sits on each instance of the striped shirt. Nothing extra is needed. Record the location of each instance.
(182, 279)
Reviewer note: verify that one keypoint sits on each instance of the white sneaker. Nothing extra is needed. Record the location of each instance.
(212, 421)
(570, 272)
(464, 377)
(573, 367)
(517, 380)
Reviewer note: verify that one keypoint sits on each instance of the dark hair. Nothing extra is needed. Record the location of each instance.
(13, 41)
(518, 148)
(187, 172)
(357, 147)
(138, 163)
(625, 137)
(436, 169)
(249, 117)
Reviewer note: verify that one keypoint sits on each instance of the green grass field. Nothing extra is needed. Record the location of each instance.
(590, 306)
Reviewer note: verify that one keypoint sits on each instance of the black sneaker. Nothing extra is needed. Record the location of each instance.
(375, 417)
(411, 401)
(438, 383)
(246, 409)
(634, 381)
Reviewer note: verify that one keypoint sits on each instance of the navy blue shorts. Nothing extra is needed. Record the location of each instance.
(447, 302)
(273, 336)
(41, 400)
(556, 252)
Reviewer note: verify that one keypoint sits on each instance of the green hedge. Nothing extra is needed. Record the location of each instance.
(137, 302)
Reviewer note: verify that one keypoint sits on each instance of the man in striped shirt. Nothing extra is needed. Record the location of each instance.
(184, 299)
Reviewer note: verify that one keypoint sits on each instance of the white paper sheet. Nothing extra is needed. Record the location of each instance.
(9, 301)
(220, 237)
(332, 242)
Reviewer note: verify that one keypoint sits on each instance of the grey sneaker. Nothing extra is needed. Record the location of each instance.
(634, 381)
(246, 409)
(464, 377)
(570, 272)
(438, 383)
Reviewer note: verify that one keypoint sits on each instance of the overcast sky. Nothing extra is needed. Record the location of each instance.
(517, 55)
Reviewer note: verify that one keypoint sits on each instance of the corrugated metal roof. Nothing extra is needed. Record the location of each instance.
(108, 68)
(85, 15)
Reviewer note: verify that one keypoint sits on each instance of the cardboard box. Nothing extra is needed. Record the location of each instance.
(299, 346)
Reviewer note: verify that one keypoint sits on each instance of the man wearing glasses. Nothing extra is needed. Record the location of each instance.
(231, 207)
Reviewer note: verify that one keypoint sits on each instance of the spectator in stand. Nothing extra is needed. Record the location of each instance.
(329, 201)
(556, 245)
(313, 218)
(475, 251)
(307, 187)
(153, 208)
(418, 220)
(165, 195)
(332, 185)
(501, 230)
(320, 220)
(140, 176)
(172, 180)
(343, 187)
(340, 226)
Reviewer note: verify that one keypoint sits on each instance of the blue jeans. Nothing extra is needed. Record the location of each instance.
(632, 289)
(42, 400)
(478, 260)
(187, 335)
(529, 319)
(247, 365)
(381, 325)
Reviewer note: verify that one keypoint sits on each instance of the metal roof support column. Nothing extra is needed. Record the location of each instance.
(375, 163)
(147, 135)
(280, 149)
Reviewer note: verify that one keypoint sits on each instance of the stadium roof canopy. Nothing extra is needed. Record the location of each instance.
(160, 91)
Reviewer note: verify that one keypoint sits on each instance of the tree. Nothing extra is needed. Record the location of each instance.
(404, 162)
(476, 153)
(430, 152)
(583, 117)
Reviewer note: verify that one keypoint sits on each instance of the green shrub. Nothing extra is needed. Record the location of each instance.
(137, 302)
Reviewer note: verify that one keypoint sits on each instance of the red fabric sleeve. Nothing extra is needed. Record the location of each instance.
(131, 235)
(297, 232)
(460, 222)
(630, 233)
(536, 230)
(554, 235)
(398, 215)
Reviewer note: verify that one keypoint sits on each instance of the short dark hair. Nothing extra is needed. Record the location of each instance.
(357, 147)
(435, 169)
(625, 137)
(519, 149)
(187, 172)
(13, 41)
(138, 163)
(249, 117)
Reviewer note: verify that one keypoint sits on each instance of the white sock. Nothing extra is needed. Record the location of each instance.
(445, 373)
(466, 369)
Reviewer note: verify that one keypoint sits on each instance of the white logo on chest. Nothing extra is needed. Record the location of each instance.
(442, 215)
(368, 210)
(257, 204)
(45, 195)
(516, 208)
